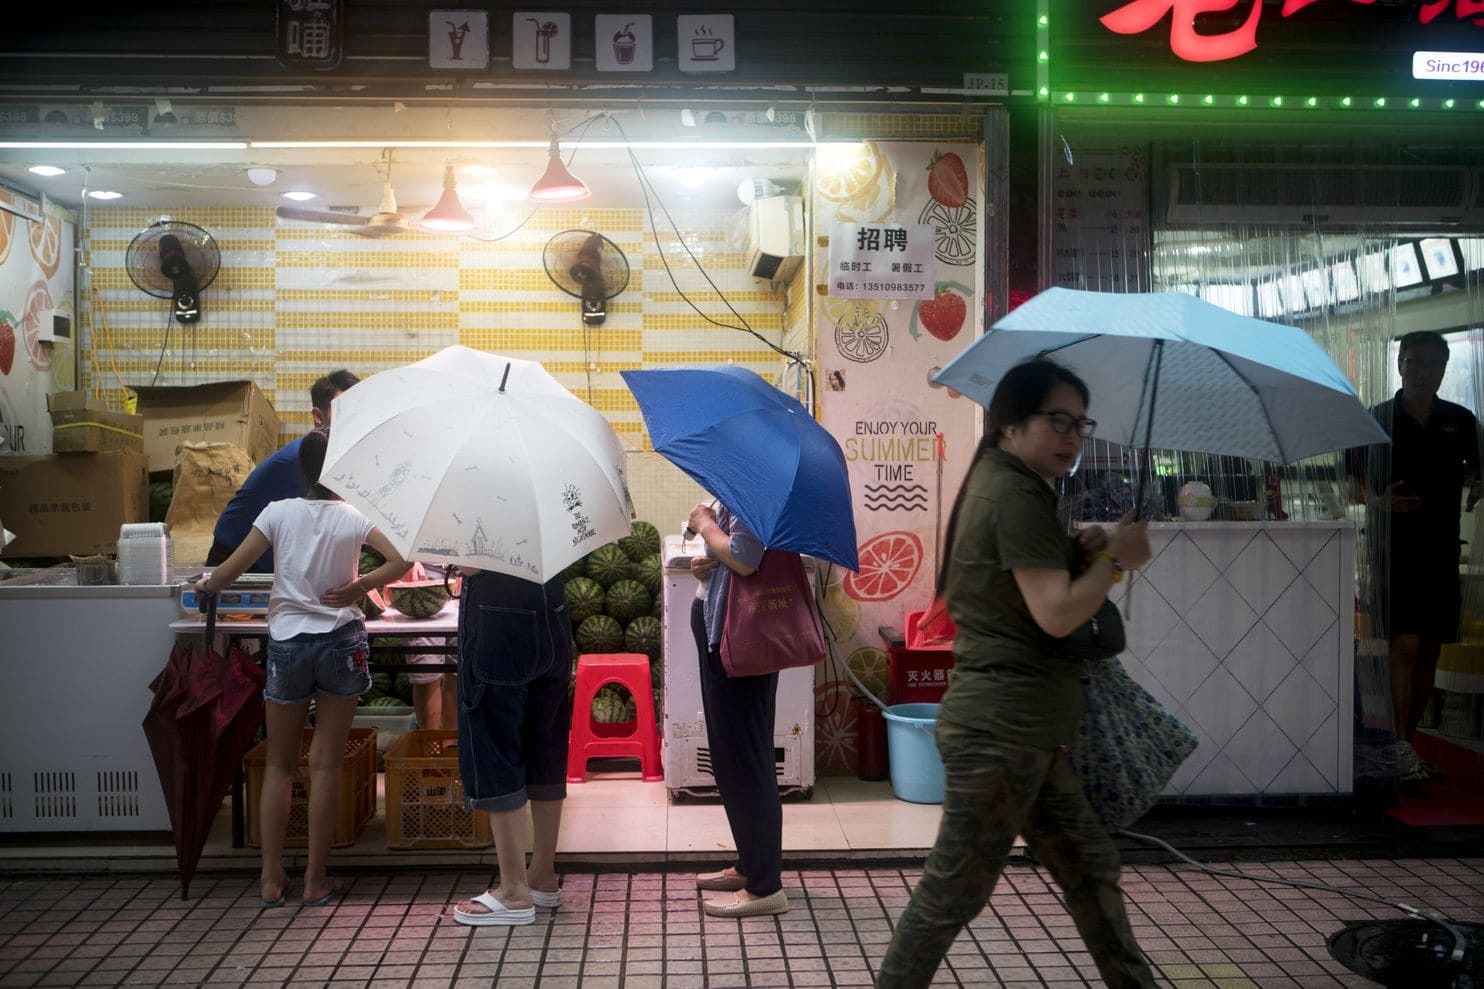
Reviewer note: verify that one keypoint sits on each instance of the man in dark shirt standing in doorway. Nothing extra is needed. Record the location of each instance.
(1413, 489)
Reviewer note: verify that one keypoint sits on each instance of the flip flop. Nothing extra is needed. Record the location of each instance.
(499, 914)
(545, 900)
(336, 891)
(282, 896)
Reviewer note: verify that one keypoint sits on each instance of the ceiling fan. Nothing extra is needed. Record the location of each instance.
(385, 222)
(589, 266)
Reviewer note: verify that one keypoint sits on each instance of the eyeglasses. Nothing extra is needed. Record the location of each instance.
(1065, 423)
(1432, 363)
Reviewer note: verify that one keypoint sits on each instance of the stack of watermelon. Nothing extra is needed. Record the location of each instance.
(613, 595)
(388, 690)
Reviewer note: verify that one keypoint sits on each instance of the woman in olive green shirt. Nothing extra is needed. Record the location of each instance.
(1015, 697)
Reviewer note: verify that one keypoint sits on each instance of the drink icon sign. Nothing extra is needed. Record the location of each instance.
(456, 34)
(706, 49)
(544, 32)
(707, 43)
(623, 44)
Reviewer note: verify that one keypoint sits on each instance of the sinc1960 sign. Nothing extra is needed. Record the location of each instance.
(1448, 65)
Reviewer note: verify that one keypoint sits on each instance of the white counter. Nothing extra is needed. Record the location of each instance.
(1246, 631)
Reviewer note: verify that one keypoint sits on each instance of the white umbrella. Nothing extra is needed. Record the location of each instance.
(481, 461)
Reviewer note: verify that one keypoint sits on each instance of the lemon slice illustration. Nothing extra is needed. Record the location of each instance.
(845, 172)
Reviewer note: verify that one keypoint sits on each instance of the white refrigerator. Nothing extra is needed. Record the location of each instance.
(684, 751)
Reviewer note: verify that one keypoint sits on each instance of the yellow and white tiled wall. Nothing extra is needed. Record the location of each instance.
(295, 300)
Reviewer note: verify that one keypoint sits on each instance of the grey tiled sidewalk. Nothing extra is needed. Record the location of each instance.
(645, 929)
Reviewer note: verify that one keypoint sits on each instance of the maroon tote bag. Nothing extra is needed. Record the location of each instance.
(771, 621)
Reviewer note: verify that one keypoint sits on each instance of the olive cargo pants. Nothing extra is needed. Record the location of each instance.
(995, 790)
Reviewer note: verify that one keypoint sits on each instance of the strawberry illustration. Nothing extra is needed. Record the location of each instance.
(944, 314)
(948, 179)
(7, 345)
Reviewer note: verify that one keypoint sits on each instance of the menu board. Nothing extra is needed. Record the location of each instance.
(1100, 220)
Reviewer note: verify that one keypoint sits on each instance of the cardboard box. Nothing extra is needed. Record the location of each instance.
(65, 504)
(221, 412)
(83, 424)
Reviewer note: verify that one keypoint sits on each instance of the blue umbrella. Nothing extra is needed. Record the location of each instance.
(1169, 371)
(758, 451)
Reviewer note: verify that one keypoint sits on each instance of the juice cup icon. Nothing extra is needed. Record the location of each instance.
(623, 45)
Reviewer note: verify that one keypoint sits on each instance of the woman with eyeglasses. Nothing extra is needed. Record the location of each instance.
(1014, 587)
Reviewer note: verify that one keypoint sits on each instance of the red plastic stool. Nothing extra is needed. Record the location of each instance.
(590, 740)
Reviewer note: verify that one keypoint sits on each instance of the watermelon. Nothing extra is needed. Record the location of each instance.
(387, 702)
(627, 600)
(658, 611)
(381, 682)
(585, 598)
(417, 598)
(608, 564)
(642, 540)
(575, 570)
(404, 688)
(613, 705)
(160, 494)
(599, 634)
(643, 635)
(649, 573)
(372, 605)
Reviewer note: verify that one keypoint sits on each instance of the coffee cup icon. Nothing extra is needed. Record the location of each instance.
(706, 49)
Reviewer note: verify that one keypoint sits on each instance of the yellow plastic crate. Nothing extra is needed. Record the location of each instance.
(425, 795)
(357, 790)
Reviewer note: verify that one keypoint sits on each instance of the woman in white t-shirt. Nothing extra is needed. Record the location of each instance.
(317, 650)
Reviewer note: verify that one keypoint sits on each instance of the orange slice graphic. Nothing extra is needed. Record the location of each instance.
(888, 564)
(46, 244)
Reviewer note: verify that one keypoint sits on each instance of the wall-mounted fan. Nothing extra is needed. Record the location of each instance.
(175, 260)
(589, 266)
(386, 221)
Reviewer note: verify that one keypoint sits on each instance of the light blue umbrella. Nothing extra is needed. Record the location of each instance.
(1168, 371)
(758, 450)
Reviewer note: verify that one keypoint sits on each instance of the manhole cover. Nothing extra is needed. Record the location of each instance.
(1412, 953)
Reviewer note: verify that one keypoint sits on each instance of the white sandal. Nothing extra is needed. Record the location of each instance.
(499, 914)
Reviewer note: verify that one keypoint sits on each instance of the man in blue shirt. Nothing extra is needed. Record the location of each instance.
(275, 479)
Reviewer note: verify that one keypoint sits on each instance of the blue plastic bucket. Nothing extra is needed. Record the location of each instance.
(916, 766)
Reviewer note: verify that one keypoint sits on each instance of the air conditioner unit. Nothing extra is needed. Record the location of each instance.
(1310, 195)
(775, 243)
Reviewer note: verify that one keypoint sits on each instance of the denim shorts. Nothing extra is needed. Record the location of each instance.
(515, 711)
(331, 663)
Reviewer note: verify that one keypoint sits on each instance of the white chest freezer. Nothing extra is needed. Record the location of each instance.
(684, 751)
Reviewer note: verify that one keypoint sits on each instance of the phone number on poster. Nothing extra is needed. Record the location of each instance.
(902, 288)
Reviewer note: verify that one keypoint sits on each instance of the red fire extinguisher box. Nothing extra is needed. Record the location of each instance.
(917, 667)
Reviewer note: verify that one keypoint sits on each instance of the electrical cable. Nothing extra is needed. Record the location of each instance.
(164, 346)
(1459, 938)
(646, 186)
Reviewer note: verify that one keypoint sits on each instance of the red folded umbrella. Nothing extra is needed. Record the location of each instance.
(205, 714)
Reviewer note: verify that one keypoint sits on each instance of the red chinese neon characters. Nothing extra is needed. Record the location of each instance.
(1187, 43)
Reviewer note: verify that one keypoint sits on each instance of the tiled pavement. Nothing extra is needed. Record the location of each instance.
(645, 929)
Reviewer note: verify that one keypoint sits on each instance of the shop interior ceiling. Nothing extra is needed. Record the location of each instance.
(708, 152)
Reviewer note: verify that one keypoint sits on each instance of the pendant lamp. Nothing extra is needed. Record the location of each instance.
(449, 215)
(557, 185)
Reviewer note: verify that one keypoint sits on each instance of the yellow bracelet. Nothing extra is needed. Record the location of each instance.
(1117, 567)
